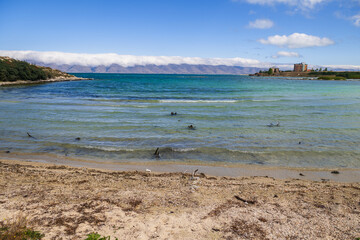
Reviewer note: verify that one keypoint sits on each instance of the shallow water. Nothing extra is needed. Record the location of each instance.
(125, 117)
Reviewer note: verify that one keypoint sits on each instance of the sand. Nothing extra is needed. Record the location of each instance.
(67, 202)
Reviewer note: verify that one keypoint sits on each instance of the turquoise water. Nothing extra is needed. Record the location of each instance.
(122, 118)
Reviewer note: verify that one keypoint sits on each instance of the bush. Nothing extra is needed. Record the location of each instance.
(96, 236)
(17, 230)
(12, 70)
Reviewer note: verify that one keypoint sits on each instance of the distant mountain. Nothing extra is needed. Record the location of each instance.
(155, 69)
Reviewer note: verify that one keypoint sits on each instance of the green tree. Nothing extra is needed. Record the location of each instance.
(271, 71)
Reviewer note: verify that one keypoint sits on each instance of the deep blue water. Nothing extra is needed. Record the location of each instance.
(125, 117)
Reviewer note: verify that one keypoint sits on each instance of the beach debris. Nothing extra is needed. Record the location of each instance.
(191, 127)
(275, 196)
(335, 172)
(77, 139)
(301, 174)
(193, 175)
(244, 200)
(7, 151)
(157, 153)
(215, 229)
(29, 135)
(173, 113)
(148, 170)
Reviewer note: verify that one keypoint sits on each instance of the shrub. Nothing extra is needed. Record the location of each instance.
(17, 230)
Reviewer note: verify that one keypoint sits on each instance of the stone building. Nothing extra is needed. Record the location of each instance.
(300, 67)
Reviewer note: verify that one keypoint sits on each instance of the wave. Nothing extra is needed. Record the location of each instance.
(109, 149)
(196, 101)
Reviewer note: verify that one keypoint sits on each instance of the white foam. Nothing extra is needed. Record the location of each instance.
(183, 149)
(109, 149)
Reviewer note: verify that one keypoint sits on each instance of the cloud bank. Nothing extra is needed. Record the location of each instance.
(261, 24)
(297, 40)
(286, 54)
(108, 59)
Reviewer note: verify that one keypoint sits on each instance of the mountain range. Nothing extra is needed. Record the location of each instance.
(152, 68)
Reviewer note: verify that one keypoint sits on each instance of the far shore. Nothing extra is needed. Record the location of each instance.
(27, 82)
(67, 202)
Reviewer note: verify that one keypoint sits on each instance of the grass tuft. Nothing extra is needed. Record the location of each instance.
(18, 230)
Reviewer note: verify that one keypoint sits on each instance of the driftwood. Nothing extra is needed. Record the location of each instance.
(29, 135)
(244, 200)
(157, 153)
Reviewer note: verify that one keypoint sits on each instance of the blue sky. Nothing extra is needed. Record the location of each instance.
(320, 32)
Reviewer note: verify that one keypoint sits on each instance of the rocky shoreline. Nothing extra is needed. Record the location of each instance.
(58, 79)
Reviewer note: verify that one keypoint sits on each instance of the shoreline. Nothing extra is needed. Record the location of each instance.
(27, 82)
(71, 202)
(213, 169)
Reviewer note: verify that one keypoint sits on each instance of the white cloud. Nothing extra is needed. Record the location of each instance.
(297, 40)
(107, 59)
(261, 24)
(346, 67)
(304, 4)
(356, 20)
(286, 54)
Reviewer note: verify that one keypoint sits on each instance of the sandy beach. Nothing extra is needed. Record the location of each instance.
(66, 202)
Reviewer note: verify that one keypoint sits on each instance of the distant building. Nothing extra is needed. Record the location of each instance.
(300, 67)
(275, 70)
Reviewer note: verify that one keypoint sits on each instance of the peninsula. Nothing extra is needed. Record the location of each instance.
(13, 71)
(301, 70)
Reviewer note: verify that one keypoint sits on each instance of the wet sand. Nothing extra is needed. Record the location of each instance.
(67, 202)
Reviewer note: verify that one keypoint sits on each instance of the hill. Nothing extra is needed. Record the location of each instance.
(12, 70)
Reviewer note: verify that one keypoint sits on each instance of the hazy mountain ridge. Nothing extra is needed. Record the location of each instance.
(152, 68)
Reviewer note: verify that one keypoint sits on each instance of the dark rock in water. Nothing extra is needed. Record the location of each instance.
(191, 127)
(173, 113)
(77, 139)
(7, 151)
(157, 153)
(335, 172)
(299, 142)
(301, 174)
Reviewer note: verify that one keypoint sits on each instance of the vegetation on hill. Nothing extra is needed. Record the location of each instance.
(330, 75)
(12, 70)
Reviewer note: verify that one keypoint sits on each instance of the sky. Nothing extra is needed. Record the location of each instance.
(234, 32)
